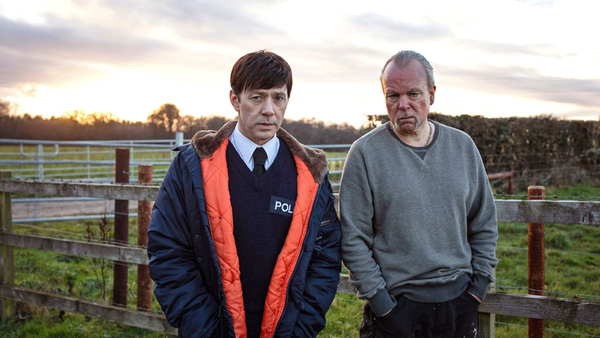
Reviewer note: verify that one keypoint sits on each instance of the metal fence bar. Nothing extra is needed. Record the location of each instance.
(43, 168)
(138, 143)
(84, 162)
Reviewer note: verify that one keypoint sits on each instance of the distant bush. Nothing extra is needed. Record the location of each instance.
(543, 150)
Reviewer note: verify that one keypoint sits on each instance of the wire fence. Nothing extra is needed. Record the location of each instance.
(98, 172)
(551, 250)
(85, 238)
(551, 197)
(40, 230)
(548, 292)
(548, 330)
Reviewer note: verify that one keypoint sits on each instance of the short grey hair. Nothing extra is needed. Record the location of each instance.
(402, 58)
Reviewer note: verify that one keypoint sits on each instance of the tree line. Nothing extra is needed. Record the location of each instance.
(542, 149)
(161, 123)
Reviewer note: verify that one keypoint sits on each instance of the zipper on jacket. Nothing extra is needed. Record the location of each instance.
(287, 293)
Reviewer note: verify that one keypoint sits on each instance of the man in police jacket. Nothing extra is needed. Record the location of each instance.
(244, 240)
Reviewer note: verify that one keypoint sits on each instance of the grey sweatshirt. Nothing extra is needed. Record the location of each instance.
(422, 227)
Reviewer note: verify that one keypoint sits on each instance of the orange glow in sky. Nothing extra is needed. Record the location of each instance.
(492, 58)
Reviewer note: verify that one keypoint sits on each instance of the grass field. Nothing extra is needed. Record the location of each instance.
(86, 172)
(80, 171)
(572, 266)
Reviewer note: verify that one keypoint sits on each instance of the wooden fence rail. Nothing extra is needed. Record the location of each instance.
(76, 248)
(518, 211)
(116, 314)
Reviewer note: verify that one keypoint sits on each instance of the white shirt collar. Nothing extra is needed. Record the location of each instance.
(245, 148)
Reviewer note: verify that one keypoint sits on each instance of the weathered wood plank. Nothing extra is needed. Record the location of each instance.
(561, 212)
(529, 306)
(76, 248)
(7, 262)
(65, 189)
(519, 211)
(548, 308)
(129, 317)
(487, 325)
(344, 285)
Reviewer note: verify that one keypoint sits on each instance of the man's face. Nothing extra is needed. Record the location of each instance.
(407, 97)
(260, 112)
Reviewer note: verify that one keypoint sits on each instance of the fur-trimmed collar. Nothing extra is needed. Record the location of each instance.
(206, 142)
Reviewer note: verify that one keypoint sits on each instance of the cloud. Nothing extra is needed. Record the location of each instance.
(540, 3)
(523, 82)
(85, 40)
(512, 49)
(580, 114)
(29, 90)
(335, 61)
(61, 55)
(390, 28)
(60, 40)
(199, 21)
(17, 69)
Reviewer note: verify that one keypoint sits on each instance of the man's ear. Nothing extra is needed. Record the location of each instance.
(235, 101)
(432, 95)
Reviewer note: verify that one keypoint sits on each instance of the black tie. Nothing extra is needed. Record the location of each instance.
(259, 156)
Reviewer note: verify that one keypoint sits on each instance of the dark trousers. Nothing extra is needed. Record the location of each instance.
(454, 318)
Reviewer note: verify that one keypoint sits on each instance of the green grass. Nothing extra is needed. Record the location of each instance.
(51, 324)
(73, 276)
(565, 272)
(67, 275)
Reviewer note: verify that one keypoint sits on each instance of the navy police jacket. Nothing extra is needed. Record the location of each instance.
(193, 258)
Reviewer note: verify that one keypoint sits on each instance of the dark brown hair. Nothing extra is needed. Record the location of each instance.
(260, 70)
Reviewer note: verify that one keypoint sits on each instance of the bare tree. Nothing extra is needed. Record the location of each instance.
(186, 123)
(166, 115)
(5, 109)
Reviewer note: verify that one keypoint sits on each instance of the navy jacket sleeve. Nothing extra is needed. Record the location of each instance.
(323, 272)
(179, 287)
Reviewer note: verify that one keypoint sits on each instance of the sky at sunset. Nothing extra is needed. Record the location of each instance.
(492, 58)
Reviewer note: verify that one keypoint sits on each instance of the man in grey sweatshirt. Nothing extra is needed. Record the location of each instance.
(419, 226)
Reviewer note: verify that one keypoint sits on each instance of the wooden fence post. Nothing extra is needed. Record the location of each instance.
(487, 321)
(144, 283)
(121, 228)
(7, 263)
(536, 261)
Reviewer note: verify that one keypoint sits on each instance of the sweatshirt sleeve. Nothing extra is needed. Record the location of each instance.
(356, 214)
(482, 232)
